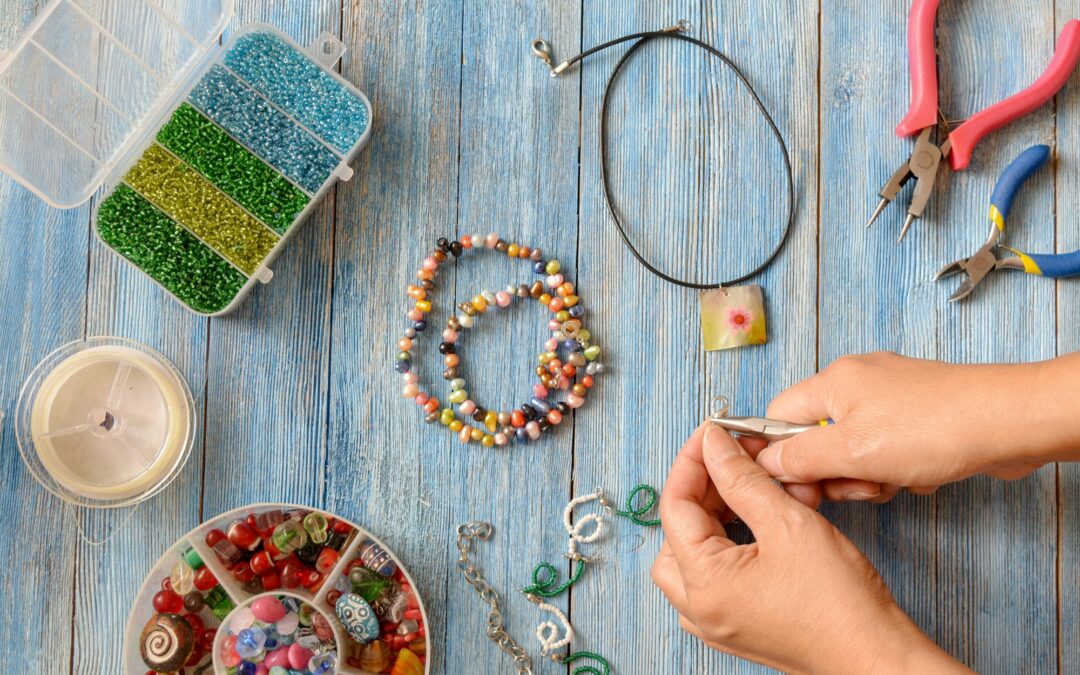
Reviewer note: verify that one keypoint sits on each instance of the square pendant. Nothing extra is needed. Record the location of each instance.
(732, 317)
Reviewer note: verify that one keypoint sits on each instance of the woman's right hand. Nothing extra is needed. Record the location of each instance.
(902, 422)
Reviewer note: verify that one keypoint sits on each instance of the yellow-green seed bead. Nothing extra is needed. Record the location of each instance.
(592, 353)
(458, 396)
(491, 421)
(552, 267)
(446, 417)
(562, 315)
(487, 441)
(545, 358)
(584, 335)
(456, 425)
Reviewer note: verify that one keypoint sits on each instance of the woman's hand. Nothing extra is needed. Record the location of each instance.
(801, 598)
(902, 422)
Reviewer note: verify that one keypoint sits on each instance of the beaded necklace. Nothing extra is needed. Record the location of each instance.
(553, 636)
(570, 352)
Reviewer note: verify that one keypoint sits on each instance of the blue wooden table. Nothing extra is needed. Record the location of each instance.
(298, 400)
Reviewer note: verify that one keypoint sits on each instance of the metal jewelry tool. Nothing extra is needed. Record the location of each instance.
(985, 260)
(922, 117)
(758, 427)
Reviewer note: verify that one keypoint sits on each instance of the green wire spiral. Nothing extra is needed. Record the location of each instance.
(603, 668)
(635, 513)
(544, 576)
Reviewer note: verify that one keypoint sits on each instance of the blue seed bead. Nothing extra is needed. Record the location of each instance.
(420, 326)
(577, 311)
(246, 668)
(291, 80)
(522, 435)
(572, 346)
(540, 404)
(538, 267)
(403, 366)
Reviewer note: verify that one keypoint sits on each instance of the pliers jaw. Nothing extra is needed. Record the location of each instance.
(922, 166)
(974, 268)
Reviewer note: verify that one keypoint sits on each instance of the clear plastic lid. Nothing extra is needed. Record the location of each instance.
(84, 81)
(105, 422)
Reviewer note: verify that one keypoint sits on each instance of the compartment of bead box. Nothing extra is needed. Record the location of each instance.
(228, 565)
(206, 202)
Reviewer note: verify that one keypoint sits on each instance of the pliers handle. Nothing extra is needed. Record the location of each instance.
(923, 111)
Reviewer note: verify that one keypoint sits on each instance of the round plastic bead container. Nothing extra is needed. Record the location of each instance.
(277, 585)
(105, 422)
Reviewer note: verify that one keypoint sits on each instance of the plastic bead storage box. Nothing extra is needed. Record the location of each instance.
(282, 586)
(210, 155)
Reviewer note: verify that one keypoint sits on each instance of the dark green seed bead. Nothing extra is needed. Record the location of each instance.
(171, 255)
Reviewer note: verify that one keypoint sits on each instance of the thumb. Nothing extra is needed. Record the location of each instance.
(813, 455)
(743, 485)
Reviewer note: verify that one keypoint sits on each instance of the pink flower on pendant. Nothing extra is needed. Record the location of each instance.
(739, 319)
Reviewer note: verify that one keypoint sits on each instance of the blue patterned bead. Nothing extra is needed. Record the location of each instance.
(357, 617)
(577, 311)
(521, 435)
(304, 90)
(403, 366)
(538, 267)
(266, 131)
(419, 326)
(540, 404)
(572, 346)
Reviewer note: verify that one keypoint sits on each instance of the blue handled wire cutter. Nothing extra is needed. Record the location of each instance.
(985, 260)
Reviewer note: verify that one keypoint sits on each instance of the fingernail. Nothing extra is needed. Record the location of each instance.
(859, 495)
(769, 459)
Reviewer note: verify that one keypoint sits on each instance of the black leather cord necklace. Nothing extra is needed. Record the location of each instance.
(676, 32)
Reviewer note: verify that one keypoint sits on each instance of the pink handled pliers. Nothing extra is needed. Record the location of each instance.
(922, 117)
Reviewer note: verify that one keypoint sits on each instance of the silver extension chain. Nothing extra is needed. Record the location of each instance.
(467, 534)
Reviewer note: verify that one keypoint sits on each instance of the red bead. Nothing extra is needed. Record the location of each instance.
(214, 536)
(309, 578)
(243, 536)
(332, 597)
(328, 557)
(241, 571)
(205, 579)
(206, 638)
(268, 546)
(168, 601)
(271, 581)
(261, 563)
(569, 370)
(196, 623)
(166, 584)
(517, 418)
(341, 527)
(587, 381)
(290, 575)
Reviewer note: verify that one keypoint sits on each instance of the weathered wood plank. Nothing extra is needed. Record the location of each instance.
(687, 144)
(1066, 177)
(942, 556)
(471, 138)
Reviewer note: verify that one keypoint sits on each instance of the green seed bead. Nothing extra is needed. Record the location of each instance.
(592, 353)
(552, 267)
(458, 396)
(583, 335)
(403, 356)
(457, 383)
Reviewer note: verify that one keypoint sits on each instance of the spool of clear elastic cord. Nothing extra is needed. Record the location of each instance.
(105, 422)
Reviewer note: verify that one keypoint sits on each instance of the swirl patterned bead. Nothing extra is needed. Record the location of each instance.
(166, 642)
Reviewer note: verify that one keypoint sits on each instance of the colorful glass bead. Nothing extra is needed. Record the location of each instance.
(376, 558)
(357, 617)
(315, 524)
(166, 642)
(376, 657)
(407, 663)
(268, 609)
(369, 584)
(289, 536)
